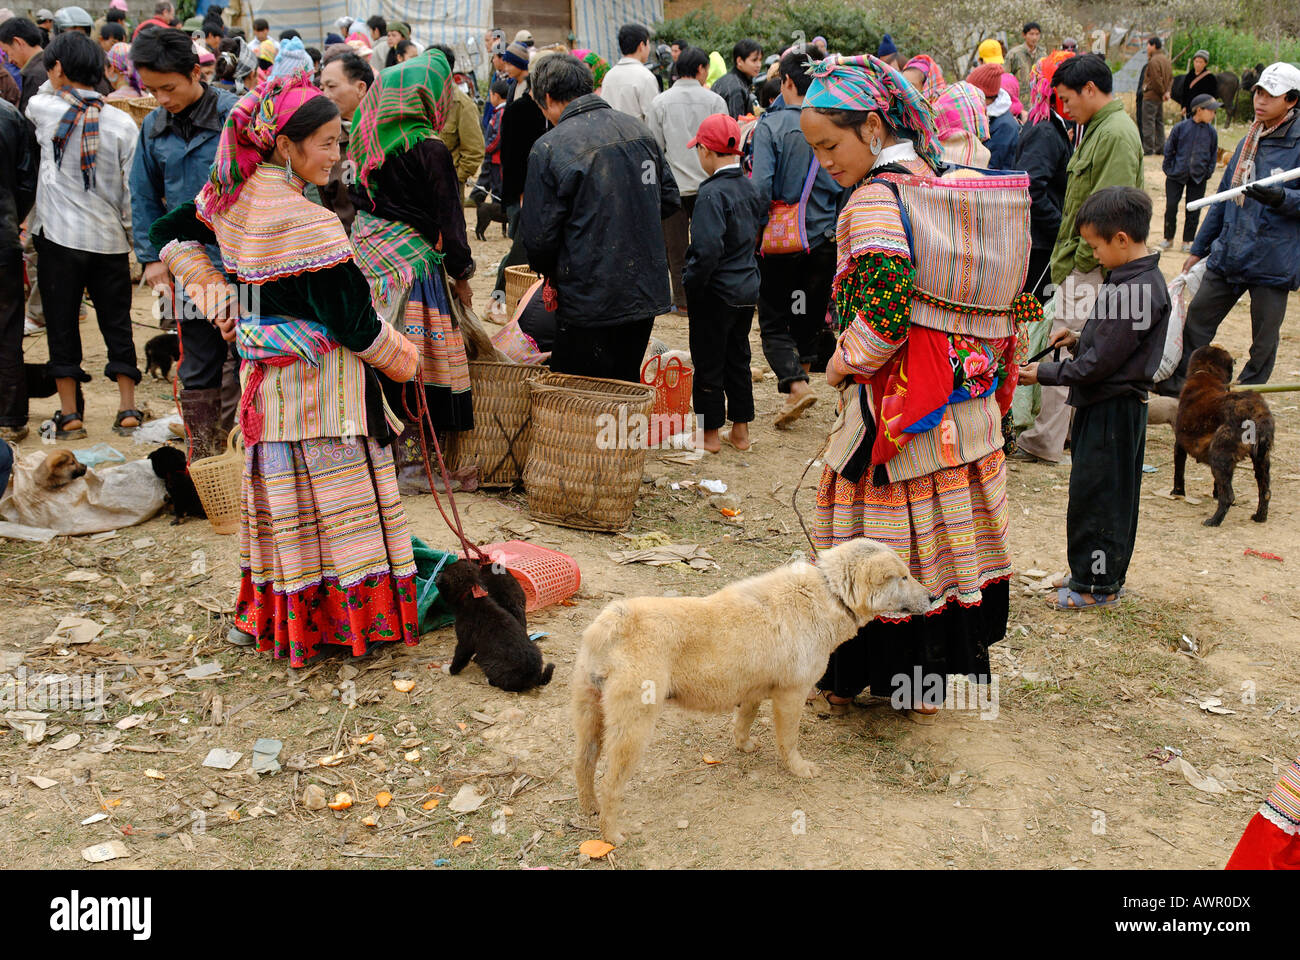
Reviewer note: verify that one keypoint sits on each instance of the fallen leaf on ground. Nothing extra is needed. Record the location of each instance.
(67, 742)
(462, 839)
(1203, 783)
(596, 849)
(467, 800)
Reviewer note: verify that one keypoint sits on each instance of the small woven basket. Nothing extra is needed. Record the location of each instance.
(587, 451)
(219, 483)
(498, 444)
(518, 280)
(137, 107)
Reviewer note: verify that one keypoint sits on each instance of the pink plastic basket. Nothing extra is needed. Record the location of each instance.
(547, 576)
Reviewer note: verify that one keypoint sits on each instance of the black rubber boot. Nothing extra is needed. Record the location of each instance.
(201, 411)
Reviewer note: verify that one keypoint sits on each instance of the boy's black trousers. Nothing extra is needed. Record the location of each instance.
(723, 387)
(1107, 443)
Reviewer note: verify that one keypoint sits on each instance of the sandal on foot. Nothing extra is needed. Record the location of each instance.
(1063, 580)
(123, 431)
(824, 706)
(923, 715)
(65, 433)
(1067, 599)
(794, 409)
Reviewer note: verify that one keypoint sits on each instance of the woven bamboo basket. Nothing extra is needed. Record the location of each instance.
(137, 107)
(498, 444)
(219, 482)
(518, 280)
(587, 451)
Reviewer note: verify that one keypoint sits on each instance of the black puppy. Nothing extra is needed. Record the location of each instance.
(490, 211)
(160, 353)
(505, 590)
(489, 633)
(41, 384)
(169, 464)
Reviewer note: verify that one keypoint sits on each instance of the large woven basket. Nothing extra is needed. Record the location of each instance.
(219, 483)
(518, 280)
(498, 444)
(137, 107)
(587, 451)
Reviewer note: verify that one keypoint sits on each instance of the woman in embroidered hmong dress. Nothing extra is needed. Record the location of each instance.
(409, 233)
(938, 497)
(1272, 838)
(324, 550)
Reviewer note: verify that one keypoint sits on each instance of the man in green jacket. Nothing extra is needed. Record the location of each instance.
(461, 134)
(1109, 154)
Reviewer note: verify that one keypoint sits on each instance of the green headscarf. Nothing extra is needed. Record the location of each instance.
(407, 105)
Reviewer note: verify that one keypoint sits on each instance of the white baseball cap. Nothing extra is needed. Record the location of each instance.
(1279, 78)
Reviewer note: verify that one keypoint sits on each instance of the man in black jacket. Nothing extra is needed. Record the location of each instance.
(597, 189)
(736, 86)
(18, 164)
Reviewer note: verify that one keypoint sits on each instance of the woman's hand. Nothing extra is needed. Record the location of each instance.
(1064, 337)
(460, 289)
(157, 275)
(1029, 373)
(227, 327)
(836, 373)
(1190, 262)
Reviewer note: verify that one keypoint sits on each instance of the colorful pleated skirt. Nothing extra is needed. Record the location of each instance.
(950, 527)
(444, 367)
(324, 549)
(1272, 838)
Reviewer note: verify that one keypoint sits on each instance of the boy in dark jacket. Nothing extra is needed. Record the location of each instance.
(1115, 358)
(722, 281)
(1191, 153)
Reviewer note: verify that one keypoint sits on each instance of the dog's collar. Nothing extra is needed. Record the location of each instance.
(830, 587)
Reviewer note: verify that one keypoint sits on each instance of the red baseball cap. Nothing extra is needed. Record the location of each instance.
(719, 133)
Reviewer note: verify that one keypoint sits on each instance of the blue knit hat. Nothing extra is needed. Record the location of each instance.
(293, 56)
(886, 46)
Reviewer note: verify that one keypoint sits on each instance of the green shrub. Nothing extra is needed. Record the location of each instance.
(1230, 48)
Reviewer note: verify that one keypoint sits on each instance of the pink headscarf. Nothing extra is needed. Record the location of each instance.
(248, 139)
(934, 83)
(960, 108)
(1042, 97)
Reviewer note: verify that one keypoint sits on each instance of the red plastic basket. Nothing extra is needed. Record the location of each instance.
(547, 576)
(672, 408)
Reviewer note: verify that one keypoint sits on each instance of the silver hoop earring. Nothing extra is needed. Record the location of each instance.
(876, 146)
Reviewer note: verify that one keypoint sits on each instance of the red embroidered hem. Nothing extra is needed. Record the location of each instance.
(1264, 847)
(378, 609)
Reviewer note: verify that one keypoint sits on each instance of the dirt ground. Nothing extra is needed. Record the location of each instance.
(1069, 771)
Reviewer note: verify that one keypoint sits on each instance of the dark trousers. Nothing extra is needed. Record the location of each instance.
(613, 351)
(203, 354)
(517, 254)
(13, 382)
(1151, 113)
(794, 292)
(677, 237)
(1174, 196)
(1211, 304)
(1107, 441)
(1039, 274)
(723, 388)
(107, 277)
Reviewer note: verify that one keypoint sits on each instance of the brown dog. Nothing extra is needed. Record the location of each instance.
(1219, 427)
(58, 469)
(765, 638)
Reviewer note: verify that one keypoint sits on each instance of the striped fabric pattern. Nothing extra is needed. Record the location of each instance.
(324, 548)
(950, 525)
(427, 323)
(303, 402)
(391, 254)
(1282, 806)
(392, 354)
(273, 231)
(596, 22)
(971, 246)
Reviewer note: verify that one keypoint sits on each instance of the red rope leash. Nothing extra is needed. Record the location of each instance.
(423, 418)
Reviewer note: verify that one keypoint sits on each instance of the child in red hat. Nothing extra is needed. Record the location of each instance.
(721, 280)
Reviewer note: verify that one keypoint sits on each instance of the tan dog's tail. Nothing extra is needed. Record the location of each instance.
(589, 731)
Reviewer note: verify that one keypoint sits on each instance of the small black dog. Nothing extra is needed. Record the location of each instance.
(169, 464)
(490, 211)
(160, 353)
(488, 632)
(505, 590)
(41, 384)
